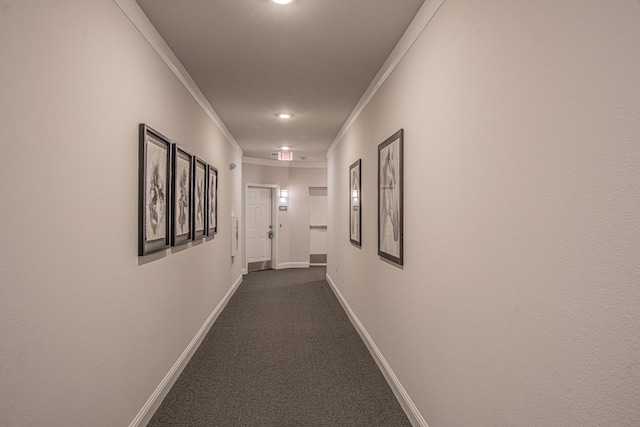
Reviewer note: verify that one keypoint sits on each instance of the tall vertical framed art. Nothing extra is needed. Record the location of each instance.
(199, 198)
(182, 189)
(154, 191)
(212, 201)
(355, 196)
(390, 198)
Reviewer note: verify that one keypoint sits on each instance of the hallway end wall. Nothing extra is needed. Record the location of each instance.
(88, 329)
(518, 300)
(292, 224)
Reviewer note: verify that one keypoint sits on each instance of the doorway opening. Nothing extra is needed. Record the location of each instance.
(318, 226)
(259, 230)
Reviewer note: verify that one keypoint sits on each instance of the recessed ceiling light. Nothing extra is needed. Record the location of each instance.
(285, 148)
(282, 1)
(284, 115)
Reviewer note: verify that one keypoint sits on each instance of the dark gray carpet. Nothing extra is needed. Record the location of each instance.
(282, 353)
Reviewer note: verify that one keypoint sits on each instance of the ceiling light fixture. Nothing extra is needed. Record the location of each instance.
(284, 115)
(282, 1)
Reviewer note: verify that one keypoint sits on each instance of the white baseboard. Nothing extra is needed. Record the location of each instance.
(292, 265)
(401, 394)
(149, 408)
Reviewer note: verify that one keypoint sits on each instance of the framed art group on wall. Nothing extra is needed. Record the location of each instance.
(390, 199)
(178, 194)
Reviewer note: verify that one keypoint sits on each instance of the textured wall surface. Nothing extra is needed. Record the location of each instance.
(518, 301)
(87, 329)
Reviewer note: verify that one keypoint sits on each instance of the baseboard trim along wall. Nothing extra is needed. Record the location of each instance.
(147, 411)
(292, 265)
(401, 394)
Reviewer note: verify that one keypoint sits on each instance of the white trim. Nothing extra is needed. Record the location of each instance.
(401, 394)
(282, 164)
(149, 408)
(418, 24)
(292, 265)
(148, 31)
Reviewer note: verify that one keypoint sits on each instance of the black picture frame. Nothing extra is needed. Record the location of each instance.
(212, 201)
(182, 190)
(390, 198)
(199, 198)
(355, 203)
(154, 191)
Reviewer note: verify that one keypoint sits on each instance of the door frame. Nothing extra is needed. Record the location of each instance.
(275, 190)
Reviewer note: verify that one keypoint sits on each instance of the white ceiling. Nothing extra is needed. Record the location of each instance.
(254, 58)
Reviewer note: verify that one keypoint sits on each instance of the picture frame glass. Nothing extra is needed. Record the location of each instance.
(157, 190)
(200, 198)
(154, 191)
(182, 220)
(390, 198)
(355, 198)
(212, 195)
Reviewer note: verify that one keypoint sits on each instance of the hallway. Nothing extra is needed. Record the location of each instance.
(517, 212)
(283, 352)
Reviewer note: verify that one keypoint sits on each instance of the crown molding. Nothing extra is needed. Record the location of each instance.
(137, 17)
(413, 31)
(282, 164)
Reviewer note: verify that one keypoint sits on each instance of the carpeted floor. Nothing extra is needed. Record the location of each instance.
(282, 353)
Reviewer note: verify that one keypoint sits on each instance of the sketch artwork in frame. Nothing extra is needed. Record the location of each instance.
(182, 189)
(199, 198)
(390, 198)
(154, 191)
(212, 201)
(355, 196)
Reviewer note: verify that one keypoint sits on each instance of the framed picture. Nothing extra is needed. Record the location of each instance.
(199, 198)
(154, 186)
(182, 190)
(212, 201)
(355, 213)
(390, 198)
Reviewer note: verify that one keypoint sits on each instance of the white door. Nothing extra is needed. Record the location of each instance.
(259, 229)
(318, 225)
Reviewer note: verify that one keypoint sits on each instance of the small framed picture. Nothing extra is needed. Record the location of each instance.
(199, 198)
(154, 191)
(182, 189)
(355, 210)
(390, 198)
(212, 201)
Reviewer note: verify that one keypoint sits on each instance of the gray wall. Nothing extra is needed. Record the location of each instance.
(87, 329)
(518, 301)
